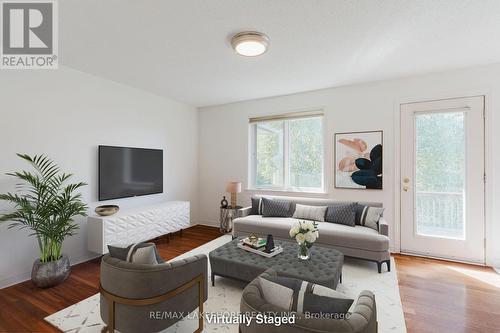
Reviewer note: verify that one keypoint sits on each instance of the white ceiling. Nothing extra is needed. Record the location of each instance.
(180, 48)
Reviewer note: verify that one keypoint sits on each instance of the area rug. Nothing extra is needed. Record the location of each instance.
(224, 298)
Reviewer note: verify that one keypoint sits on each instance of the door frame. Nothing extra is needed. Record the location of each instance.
(488, 190)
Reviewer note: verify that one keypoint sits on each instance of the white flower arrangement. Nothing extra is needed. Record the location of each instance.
(305, 232)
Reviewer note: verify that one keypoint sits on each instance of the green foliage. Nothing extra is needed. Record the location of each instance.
(269, 153)
(46, 205)
(440, 152)
(306, 152)
(305, 148)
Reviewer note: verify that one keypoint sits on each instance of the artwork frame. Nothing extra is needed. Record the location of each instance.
(351, 147)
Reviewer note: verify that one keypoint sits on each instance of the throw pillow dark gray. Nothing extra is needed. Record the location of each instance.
(342, 214)
(122, 252)
(275, 208)
(256, 206)
(302, 296)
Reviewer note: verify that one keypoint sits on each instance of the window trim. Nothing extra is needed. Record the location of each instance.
(252, 163)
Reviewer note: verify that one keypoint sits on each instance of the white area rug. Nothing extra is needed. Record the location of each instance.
(357, 275)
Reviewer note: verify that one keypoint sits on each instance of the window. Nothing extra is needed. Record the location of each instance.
(286, 153)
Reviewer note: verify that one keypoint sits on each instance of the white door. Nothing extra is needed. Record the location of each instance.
(442, 179)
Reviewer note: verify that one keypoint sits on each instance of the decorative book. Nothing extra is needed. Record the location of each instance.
(255, 244)
(261, 251)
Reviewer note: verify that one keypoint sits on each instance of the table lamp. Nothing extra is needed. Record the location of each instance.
(233, 188)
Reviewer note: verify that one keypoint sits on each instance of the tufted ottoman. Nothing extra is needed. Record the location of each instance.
(324, 266)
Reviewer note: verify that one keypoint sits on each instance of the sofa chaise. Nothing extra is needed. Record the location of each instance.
(358, 242)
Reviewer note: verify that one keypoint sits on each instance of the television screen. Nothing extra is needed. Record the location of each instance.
(128, 172)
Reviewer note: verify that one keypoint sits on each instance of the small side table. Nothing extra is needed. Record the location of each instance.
(227, 215)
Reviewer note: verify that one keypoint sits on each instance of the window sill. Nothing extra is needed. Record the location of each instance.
(295, 193)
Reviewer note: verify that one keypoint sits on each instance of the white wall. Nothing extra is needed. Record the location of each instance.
(67, 114)
(372, 106)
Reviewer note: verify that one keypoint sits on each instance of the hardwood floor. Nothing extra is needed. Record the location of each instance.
(441, 296)
(23, 306)
(437, 296)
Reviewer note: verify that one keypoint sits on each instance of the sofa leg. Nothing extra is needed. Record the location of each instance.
(213, 280)
(379, 266)
(388, 263)
(340, 279)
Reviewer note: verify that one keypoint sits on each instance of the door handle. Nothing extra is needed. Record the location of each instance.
(406, 182)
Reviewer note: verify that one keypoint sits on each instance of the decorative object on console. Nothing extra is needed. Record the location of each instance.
(358, 160)
(233, 188)
(305, 233)
(223, 202)
(107, 210)
(47, 206)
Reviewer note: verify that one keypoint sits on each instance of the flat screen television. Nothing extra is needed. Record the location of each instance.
(129, 172)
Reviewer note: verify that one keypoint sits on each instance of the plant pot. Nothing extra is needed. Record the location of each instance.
(48, 274)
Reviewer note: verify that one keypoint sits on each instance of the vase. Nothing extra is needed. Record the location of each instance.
(48, 274)
(303, 253)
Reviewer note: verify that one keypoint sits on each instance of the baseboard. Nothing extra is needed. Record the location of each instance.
(208, 223)
(15, 279)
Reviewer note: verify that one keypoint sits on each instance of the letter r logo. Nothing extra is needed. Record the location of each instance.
(27, 28)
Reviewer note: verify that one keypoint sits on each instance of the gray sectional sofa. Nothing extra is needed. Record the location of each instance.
(358, 242)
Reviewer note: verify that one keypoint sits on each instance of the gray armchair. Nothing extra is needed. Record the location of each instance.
(150, 298)
(363, 318)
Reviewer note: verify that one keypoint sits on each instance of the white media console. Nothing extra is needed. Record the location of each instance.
(136, 225)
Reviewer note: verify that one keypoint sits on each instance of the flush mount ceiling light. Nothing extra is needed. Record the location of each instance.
(250, 43)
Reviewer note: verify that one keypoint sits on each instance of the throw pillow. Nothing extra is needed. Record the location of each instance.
(301, 296)
(256, 206)
(126, 253)
(275, 208)
(342, 214)
(368, 216)
(313, 213)
(144, 255)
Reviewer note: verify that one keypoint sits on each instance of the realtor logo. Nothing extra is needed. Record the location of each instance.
(29, 34)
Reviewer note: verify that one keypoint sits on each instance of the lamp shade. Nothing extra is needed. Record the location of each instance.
(233, 187)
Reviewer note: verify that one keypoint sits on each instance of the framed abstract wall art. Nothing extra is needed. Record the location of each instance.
(358, 160)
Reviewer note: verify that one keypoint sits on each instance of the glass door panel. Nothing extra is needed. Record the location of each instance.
(440, 174)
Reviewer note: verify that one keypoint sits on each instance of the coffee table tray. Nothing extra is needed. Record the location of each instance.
(277, 250)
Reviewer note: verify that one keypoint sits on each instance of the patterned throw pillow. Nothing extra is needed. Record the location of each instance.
(256, 206)
(275, 208)
(141, 253)
(313, 213)
(342, 214)
(301, 296)
(368, 216)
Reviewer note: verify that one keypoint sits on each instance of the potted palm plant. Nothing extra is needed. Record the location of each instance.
(47, 205)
